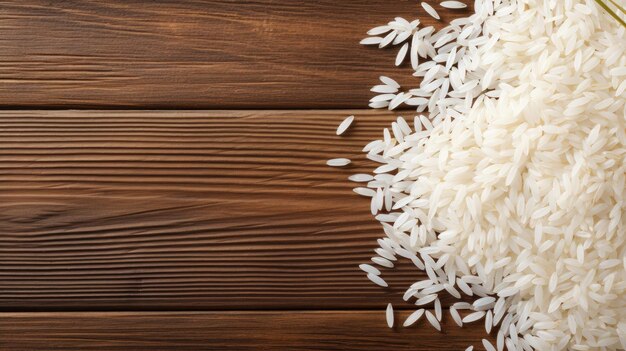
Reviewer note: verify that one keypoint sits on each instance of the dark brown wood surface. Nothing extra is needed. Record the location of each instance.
(194, 54)
(228, 222)
(284, 330)
(185, 210)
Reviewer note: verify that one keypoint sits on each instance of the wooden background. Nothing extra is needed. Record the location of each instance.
(163, 182)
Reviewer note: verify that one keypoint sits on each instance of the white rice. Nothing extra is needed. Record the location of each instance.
(422, 284)
(384, 89)
(382, 262)
(488, 322)
(398, 100)
(430, 10)
(385, 254)
(426, 299)
(453, 4)
(432, 289)
(464, 287)
(414, 317)
(473, 317)
(377, 280)
(512, 181)
(361, 178)
(369, 269)
(488, 346)
(379, 30)
(402, 54)
(389, 315)
(383, 98)
(456, 317)
(500, 341)
(408, 294)
(390, 82)
(344, 125)
(388, 39)
(371, 41)
(388, 244)
(338, 162)
(433, 320)
(484, 301)
(365, 192)
(452, 291)
(438, 312)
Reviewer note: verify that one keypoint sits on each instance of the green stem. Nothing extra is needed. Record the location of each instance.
(618, 6)
(611, 12)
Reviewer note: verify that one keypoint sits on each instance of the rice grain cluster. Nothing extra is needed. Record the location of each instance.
(510, 185)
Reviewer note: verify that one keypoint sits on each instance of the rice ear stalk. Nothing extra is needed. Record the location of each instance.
(611, 12)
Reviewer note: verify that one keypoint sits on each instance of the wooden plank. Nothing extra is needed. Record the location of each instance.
(195, 54)
(286, 330)
(186, 210)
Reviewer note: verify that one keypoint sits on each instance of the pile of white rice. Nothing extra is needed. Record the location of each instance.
(512, 188)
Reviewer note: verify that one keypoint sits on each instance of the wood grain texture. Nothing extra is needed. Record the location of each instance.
(163, 210)
(287, 330)
(195, 54)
